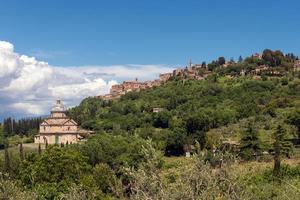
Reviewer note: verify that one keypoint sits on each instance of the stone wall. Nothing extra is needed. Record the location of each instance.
(58, 129)
(56, 139)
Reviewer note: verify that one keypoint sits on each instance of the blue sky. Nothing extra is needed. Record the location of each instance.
(70, 32)
(71, 49)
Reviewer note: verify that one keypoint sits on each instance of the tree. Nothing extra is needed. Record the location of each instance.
(161, 119)
(175, 142)
(11, 189)
(221, 61)
(104, 177)
(272, 58)
(281, 146)
(114, 150)
(212, 66)
(40, 149)
(240, 59)
(6, 160)
(21, 151)
(250, 144)
(294, 119)
(197, 122)
(54, 170)
(146, 182)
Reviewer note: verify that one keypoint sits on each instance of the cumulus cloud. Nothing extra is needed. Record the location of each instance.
(28, 108)
(29, 86)
(8, 59)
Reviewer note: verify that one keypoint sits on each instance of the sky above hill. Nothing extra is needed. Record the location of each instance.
(73, 49)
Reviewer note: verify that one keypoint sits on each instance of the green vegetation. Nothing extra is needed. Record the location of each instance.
(239, 128)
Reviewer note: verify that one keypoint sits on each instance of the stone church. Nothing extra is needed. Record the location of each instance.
(58, 128)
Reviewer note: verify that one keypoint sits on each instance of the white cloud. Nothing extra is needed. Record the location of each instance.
(32, 74)
(28, 108)
(29, 86)
(8, 59)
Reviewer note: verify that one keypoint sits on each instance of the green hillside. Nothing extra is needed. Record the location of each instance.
(195, 110)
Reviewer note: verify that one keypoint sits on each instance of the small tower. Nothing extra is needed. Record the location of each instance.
(190, 63)
(58, 110)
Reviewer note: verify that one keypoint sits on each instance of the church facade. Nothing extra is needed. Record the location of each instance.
(58, 128)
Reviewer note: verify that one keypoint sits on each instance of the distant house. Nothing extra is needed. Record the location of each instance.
(58, 128)
(164, 77)
(157, 110)
(297, 65)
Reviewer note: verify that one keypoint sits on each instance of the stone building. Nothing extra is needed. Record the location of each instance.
(297, 66)
(58, 128)
(116, 89)
(164, 77)
(131, 85)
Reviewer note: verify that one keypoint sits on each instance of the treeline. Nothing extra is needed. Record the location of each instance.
(26, 126)
(273, 59)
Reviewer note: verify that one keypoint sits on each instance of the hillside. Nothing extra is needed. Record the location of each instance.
(228, 136)
(211, 111)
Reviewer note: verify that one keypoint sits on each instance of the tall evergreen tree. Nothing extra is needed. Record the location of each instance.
(21, 151)
(240, 59)
(6, 159)
(294, 119)
(250, 144)
(281, 146)
(221, 61)
(40, 149)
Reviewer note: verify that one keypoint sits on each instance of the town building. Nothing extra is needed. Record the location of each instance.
(157, 110)
(297, 65)
(131, 85)
(165, 77)
(58, 128)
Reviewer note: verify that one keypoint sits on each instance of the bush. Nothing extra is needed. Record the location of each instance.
(115, 150)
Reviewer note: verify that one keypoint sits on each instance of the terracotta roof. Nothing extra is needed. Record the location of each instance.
(58, 121)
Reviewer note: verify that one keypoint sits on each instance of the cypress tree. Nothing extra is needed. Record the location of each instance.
(40, 149)
(250, 144)
(21, 151)
(281, 146)
(6, 159)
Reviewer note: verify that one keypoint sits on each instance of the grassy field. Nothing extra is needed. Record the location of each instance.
(27, 148)
(256, 177)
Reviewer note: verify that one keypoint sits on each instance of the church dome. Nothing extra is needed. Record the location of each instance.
(58, 107)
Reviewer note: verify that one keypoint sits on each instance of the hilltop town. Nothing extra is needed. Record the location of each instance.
(192, 71)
